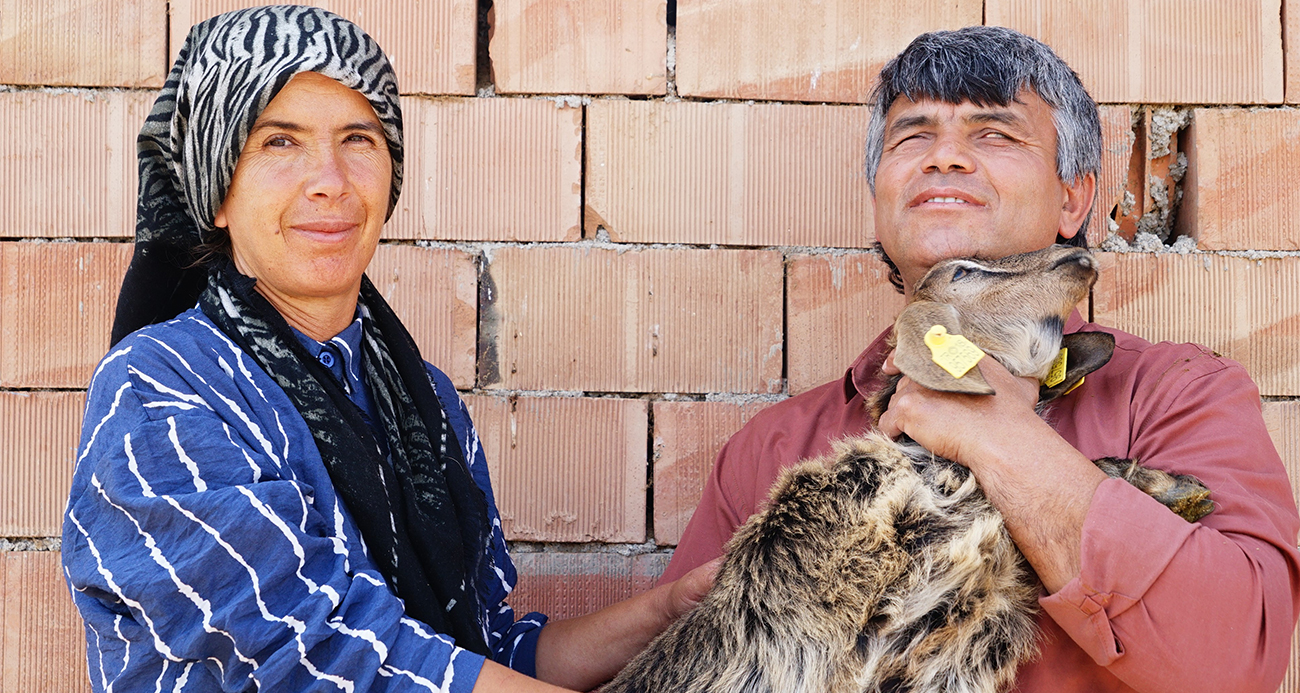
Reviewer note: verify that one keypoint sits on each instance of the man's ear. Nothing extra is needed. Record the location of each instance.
(1087, 351)
(1078, 204)
(914, 358)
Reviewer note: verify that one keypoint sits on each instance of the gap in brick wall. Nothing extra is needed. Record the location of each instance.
(484, 79)
(670, 56)
(1146, 216)
(651, 534)
(582, 178)
(646, 547)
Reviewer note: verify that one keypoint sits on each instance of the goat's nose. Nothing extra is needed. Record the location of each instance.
(1081, 258)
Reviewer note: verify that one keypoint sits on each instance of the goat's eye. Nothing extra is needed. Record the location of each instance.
(958, 273)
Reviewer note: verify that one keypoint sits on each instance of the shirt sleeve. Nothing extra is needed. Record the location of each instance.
(715, 518)
(1209, 606)
(513, 641)
(190, 541)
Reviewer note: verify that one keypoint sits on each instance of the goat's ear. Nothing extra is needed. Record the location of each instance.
(1087, 351)
(914, 358)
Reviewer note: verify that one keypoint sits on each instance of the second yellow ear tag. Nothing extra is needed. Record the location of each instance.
(953, 352)
(1056, 375)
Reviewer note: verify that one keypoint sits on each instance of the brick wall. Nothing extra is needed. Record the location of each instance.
(628, 226)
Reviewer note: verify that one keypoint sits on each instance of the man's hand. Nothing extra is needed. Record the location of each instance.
(1040, 483)
(964, 428)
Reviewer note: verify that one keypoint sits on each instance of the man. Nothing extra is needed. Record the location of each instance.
(984, 143)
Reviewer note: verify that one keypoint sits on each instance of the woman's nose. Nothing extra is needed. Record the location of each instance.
(327, 176)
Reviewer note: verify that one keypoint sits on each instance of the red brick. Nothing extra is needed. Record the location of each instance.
(800, 51)
(490, 169)
(658, 320)
(108, 43)
(1236, 195)
(56, 310)
(42, 640)
(1283, 421)
(70, 186)
(564, 585)
(566, 468)
(835, 306)
(1166, 51)
(687, 439)
(735, 174)
(579, 46)
(38, 445)
(1116, 159)
(435, 293)
(430, 43)
(1247, 310)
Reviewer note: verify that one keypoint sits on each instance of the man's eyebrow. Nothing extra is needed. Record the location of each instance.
(913, 121)
(1004, 117)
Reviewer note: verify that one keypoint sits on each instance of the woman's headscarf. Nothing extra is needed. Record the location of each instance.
(423, 519)
(229, 69)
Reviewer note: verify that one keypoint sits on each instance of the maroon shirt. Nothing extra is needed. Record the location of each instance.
(1160, 604)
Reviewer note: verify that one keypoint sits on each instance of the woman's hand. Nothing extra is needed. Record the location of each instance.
(687, 591)
(584, 652)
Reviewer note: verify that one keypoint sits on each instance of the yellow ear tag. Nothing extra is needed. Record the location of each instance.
(953, 352)
(1073, 387)
(1056, 375)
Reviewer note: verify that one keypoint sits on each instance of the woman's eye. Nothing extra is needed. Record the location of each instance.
(278, 141)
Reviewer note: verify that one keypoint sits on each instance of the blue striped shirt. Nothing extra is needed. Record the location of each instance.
(207, 550)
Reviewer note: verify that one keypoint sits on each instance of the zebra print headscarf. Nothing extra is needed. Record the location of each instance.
(423, 519)
(229, 69)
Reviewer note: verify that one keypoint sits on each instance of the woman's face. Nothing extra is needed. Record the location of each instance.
(310, 192)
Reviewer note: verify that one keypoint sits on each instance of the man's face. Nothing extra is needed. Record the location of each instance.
(966, 180)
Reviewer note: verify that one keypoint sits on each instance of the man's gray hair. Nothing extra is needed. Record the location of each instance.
(988, 65)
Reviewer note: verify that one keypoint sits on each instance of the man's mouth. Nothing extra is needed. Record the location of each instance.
(950, 196)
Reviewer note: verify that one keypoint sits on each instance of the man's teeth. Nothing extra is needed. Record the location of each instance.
(948, 199)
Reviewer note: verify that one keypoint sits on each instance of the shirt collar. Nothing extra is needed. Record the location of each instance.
(347, 344)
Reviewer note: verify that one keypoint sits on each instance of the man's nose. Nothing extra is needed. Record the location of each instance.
(948, 154)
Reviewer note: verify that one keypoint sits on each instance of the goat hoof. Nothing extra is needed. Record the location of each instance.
(1188, 498)
(1181, 493)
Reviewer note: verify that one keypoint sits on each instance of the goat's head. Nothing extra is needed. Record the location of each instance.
(1013, 308)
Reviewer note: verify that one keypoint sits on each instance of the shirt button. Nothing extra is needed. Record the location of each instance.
(326, 359)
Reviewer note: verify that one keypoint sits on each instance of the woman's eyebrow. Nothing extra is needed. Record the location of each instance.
(278, 125)
(368, 126)
(296, 127)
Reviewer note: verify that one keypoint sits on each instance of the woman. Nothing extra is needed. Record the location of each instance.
(273, 491)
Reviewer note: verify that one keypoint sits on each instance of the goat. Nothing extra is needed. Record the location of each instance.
(881, 567)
